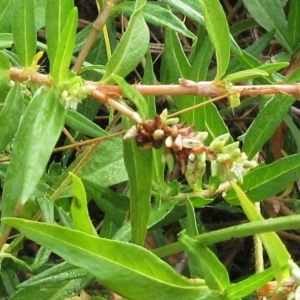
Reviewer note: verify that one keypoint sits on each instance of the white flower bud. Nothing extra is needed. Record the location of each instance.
(169, 142)
(191, 143)
(201, 135)
(177, 143)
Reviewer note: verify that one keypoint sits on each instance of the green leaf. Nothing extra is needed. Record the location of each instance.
(190, 8)
(191, 223)
(53, 291)
(203, 54)
(275, 248)
(10, 115)
(82, 124)
(131, 49)
(6, 40)
(129, 265)
(57, 13)
(270, 15)
(112, 204)
(36, 136)
(218, 31)
(245, 75)
(61, 62)
(273, 67)
(216, 128)
(24, 32)
(158, 167)
(249, 285)
(55, 274)
(294, 22)
(159, 16)
(158, 212)
(176, 60)
(79, 210)
(266, 181)
(138, 162)
(247, 58)
(213, 271)
(133, 95)
(4, 66)
(6, 15)
(106, 165)
(265, 124)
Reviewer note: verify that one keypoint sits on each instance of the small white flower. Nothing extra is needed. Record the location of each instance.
(238, 170)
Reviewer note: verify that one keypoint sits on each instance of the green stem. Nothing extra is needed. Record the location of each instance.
(248, 229)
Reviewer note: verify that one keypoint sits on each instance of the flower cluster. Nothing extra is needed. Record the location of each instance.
(73, 92)
(185, 149)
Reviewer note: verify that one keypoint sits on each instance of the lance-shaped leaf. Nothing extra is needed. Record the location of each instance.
(276, 250)
(133, 95)
(24, 33)
(80, 214)
(159, 16)
(190, 8)
(82, 124)
(294, 22)
(55, 274)
(249, 285)
(62, 59)
(267, 181)
(266, 123)
(269, 14)
(138, 163)
(213, 271)
(57, 13)
(131, 50)
(218, 31)
(116, 264)
(10, 115)
(36, 136)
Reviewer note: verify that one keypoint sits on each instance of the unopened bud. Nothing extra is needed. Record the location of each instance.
(213, 168)
(171, 121)
(164, 115)
(190, 143)
(235, 154)
(251, 164)
(158, 134)
(201, 136)
(177, 143)
(169, 142)
(192, 156)
(221, 158)
(230, 147)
